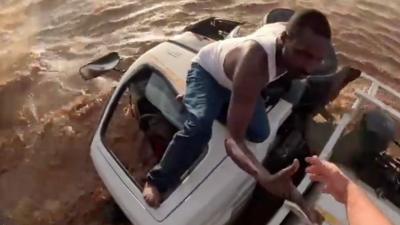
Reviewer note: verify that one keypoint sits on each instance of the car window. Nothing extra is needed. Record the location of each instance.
(162, 96)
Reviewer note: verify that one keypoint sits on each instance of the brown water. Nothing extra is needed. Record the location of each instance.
(48, 113)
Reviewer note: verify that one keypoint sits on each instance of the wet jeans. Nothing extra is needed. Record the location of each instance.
(205, 101)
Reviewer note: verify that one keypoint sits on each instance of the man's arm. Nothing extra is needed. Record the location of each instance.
(360, 210)
(250, 74)
(249, 77)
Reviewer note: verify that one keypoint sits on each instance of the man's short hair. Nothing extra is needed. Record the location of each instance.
(309, 18)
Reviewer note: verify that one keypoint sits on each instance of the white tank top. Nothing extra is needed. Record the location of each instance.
(212, 56)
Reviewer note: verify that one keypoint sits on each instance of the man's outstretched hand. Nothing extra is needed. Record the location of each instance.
(327, 173)
(279, 184)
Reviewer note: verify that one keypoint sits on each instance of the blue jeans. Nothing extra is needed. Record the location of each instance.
(205, 101)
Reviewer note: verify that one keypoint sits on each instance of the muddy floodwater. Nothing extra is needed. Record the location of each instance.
(48, 114)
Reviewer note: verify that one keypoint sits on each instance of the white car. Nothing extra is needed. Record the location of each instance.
(214, 190)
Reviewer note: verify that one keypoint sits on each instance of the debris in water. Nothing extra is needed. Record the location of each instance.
(69, 130)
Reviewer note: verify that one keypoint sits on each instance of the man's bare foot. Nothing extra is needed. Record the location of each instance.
(151, 195)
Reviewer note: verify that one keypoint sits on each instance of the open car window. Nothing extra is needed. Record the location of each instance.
(126, 142)
(144, 120)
